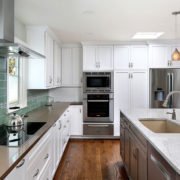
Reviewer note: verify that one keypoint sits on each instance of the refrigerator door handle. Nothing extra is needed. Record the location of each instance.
(172, 82)
(168, 83)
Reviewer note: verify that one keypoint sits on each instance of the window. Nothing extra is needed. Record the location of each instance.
(13, 81)
(16, 82)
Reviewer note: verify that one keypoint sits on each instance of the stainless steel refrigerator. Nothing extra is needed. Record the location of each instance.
(162, 81)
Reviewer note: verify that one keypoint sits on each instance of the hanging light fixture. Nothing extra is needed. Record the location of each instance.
(176, 53)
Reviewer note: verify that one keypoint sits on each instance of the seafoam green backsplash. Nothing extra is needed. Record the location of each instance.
(3, 89)
(36, 98)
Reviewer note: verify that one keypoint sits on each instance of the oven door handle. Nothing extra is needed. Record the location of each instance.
(97, 100)
(98, 125)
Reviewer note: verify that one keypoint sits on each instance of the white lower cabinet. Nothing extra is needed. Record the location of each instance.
(39, 157)
(43, 159)
(18, 171)
(76, 121)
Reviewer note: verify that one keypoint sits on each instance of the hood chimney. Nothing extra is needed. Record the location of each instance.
(6, 21)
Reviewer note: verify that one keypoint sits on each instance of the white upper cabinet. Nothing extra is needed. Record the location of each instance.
(71, 66)
(89, 58)
(130, 57)
(57, 65)
(139, 57)
(97, 58)
(121, 57)
(104, 57)
(41, 71)
(49, 61)
(159, 56)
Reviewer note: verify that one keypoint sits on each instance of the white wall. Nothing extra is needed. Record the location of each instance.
(66, 94)
(20, 30)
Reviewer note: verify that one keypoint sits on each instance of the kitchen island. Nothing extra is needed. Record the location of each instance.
(138, 143)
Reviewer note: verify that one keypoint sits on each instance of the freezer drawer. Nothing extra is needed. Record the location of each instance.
(98, 129)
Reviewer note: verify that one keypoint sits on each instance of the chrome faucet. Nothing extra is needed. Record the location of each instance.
(166, 102)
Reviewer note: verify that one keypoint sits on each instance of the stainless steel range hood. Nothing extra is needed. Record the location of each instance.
(7, 45)
(7, 21)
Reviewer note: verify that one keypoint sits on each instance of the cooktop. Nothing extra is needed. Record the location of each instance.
(12, 138)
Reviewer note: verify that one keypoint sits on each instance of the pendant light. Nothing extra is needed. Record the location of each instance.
(176, 53)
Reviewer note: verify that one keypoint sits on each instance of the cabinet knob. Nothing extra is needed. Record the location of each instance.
(21, 164)
(46, 157)
(37, 172)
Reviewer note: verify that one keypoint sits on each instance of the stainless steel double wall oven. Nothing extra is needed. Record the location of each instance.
(98, 103)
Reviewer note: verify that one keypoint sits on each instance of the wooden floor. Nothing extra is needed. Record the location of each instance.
(91, 160)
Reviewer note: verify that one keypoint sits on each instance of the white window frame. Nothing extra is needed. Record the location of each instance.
(22, 85)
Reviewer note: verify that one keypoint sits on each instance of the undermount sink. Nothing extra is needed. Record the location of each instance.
(161, 125)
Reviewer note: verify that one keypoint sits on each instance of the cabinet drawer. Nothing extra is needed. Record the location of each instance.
(98, 129)
(46, 173)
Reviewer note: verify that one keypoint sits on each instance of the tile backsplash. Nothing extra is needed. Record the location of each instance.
(36, 98)
(3, 89)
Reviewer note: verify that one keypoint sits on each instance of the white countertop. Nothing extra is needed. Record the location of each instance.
(167, 144)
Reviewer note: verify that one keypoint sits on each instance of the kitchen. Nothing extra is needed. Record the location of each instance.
(66, 85)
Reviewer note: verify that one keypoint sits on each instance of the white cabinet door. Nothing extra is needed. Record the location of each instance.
(49, 60)
(41, 74)
(139, 90)
(57, 65)
(89, 58)
(67, 77)
(77, 66)
(18, 172)
(121, 97)
(97, 58)
(139, 57)
(104, 57)
(56, 146)
(76, 120)
(121, 57)
(159, 56)
(71, 66)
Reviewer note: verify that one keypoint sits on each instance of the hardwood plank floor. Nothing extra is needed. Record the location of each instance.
(91, 160)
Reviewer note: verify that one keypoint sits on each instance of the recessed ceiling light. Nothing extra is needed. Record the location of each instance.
(147, 35)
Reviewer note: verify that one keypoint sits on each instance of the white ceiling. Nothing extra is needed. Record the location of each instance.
(100, 20)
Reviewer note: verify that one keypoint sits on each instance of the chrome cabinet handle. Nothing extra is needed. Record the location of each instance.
(37, 172)
(129, 64)
(161, 167)
(59, 125)
(129, 75)
(46, 157)
(21, 164)
(50, 79)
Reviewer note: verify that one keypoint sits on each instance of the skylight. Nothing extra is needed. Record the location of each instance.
(147, 35)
